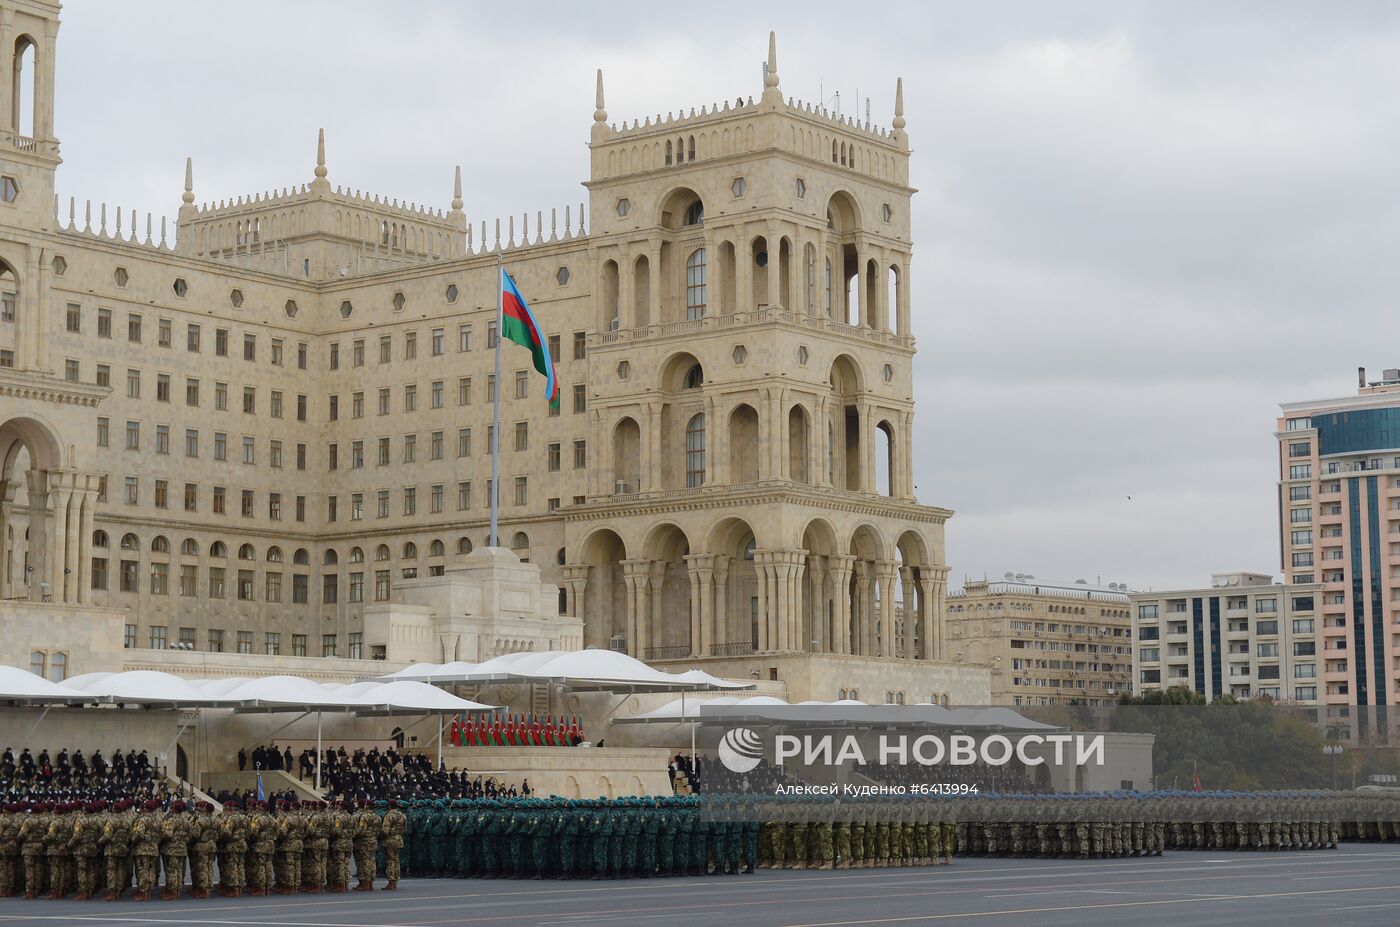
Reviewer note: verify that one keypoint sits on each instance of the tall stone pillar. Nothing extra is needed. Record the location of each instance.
(743, 271)
(636, 576)
(40, 535)
(9, 120)
(60, 492)
(912, 612)
(840, 566)
(861, 619)
(867, 449)
(816, 603)
(903, 325)
(72, 534)
(866, 317)
(44, 83)
(760, 567)
(717, 439)
(719, 627)
(782, 614)
(774, 243)
(575, 585)
(655, 610)
(885, 573)
(714, 277)
(626, 290)
(654, 286)
(89, 506)
(937, 591)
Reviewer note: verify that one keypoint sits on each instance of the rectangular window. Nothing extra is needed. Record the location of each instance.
(298, 645)
(357, 404)
(464, 496)
(381, 585)
(382, 503)
(162, 387)
(386, 348)
(163, 333)
(221, 342)
(129, 637)
(104, 431)
(410, 345)
(220, 446)
(300, 584)
(272, 643)
(554, 348)
(74, 318)
(552, 457)
(580, 455)
(216, 640)
(130, 580)
(219, 496)
(410, 398)
(245, 641)
(521, 490)
(70, 370)
(249, 449)
(464, 391)
(104, 323)
(301, 355)
(247, 503)
(383, 452)
(192, 392)
(162, 439)
(301, 506)
(277, 352)
(435, 446)
(357, 645)
(301, 407)
(384, 401)
(522, 436)
(250, 400)
(410, 501)
(332, 509)
(357, 353)
(162, 495)
(357, 587)
(580, 345)
(334, 358)
(133, 327)
(191, 497)
(464, 338)
(245, 586)
(1300, 493)
(1300, 472)
(491, 335)
(438, 342)
(192, 338)
(333, 409)
(464, 442)
(133, 490)
(133, 436)
(133, 384)
(436, 394)
(160, 577)
(357, 506)
(189, 582)
(104, 375)
(275, 404)
(274, 506)
(410, 448)
(250, 347)
(1300, 449)
(158, 637)
(357, 455)
(220, 396)
(580, 398)
(330, 589)
(522, 384)
(327, 645)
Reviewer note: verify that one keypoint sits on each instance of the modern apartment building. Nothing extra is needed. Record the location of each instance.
(1048, 643)
(1339, 526)
(1243, 636)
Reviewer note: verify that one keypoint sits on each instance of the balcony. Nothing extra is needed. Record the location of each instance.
(737, 321)
(732, 649)
(668, 653)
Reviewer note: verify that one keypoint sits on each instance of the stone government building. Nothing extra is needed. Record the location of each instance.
(267, 431)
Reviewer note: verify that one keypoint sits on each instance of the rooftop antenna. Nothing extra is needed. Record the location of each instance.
(867, 112)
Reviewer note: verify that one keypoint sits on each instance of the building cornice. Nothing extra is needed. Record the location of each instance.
(30, 385)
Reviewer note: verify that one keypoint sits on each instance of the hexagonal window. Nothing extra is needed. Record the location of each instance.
(562, 275)
(624, 206)
(180, 287)
(886, 212)
(60, 265)
(738, 186)
(888, 373)
(740, 354)
(290, 308)
(236, 297)
(346, 308)
(121, 276)
(800, 187)
(9, 188)
(452, 292)
(802, 355)
(400, 301)
(624, 370)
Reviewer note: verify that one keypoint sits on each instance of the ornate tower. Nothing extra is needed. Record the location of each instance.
(751, 388)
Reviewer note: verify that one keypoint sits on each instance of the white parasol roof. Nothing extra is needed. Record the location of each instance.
(23, 686)
(143, 687)
(409, 696)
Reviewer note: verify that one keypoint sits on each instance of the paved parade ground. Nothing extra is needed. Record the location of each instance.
(1356, 885)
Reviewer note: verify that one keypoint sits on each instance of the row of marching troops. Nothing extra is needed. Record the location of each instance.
(97, 849)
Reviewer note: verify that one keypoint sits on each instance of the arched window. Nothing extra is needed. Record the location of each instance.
(436, 549)
(58, 667)
(670, 153)
(159, 544)
(694, 378)
(218, 550)
(357, 555)
(410, 551)
(129, 542)
(695, 451)
(274, 555)
(330, 558)
(695, 285)
(464, 545)
(301, 557)
(189, 547)
(560, 556)
(37, 662)
(99, 538)
(690, 149)
(521, 541)
(381, 552)
(246, 552)
(695, 213)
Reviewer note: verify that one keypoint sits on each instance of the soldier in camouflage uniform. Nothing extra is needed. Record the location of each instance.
(342, 842)
(367, 827)
(145, 849)
(286, 862)
(9, 851)
(204, 843)
(393, 827)
(315, 847)
(62, 872)
(262, 846)
(174, 849)
(87, 854)
(233, 842)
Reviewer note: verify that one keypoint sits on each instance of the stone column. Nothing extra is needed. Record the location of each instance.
(935, 592)
(860, 602)
(718, 632)
(60, 491)
(863, 287)
(8, 120)
(72, 535)
(886, 571)
(797, 278)
(902, 320)
(626, 290)
(714, 277)
(911, 609)
(743, 271)
(44, 83)
(40, 532)
(655, 611)
(760, 566)
(575, 585)
(706, 620)
(711, 435)
(781, 610)
(717, 440)
(85, 528)
(816, 602)
(840, 567)
(867, 449)
(692, 565)
(775, 266)
(635, 576)
(649, 473)
(798, 561)
(654, 285)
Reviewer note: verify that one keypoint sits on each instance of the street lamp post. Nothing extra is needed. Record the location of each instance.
(1333, 751)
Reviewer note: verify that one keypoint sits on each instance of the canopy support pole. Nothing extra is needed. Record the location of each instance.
(30, 736)
(318, 751)
(439, 737)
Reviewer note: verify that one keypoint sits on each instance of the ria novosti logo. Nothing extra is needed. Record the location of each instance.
(740, 750)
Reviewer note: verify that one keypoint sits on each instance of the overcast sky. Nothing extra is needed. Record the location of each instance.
(1140, 226)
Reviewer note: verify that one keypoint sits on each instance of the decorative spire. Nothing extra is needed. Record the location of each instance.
(770, 76)
(457, 190)
(898, 104)
(600, 112)
(188, 196)
(321, 154)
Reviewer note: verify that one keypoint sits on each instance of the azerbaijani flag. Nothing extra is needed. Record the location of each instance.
(518, 324)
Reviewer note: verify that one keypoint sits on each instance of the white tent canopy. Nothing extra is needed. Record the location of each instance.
(23, 686)
(579, 670)
(409, 696)
(684, 709)
(143, 687)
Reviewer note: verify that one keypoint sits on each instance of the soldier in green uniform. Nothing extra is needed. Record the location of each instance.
(204, 843)
(59, 854)
(465, 837)
(439, 839)
(286, 863)
(367, 828)
(262, 846)
(233, 841)
(600, 832)
(666, 830)
(174, 849)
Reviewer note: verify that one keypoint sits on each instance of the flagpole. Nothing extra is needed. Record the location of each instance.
(496, 408)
